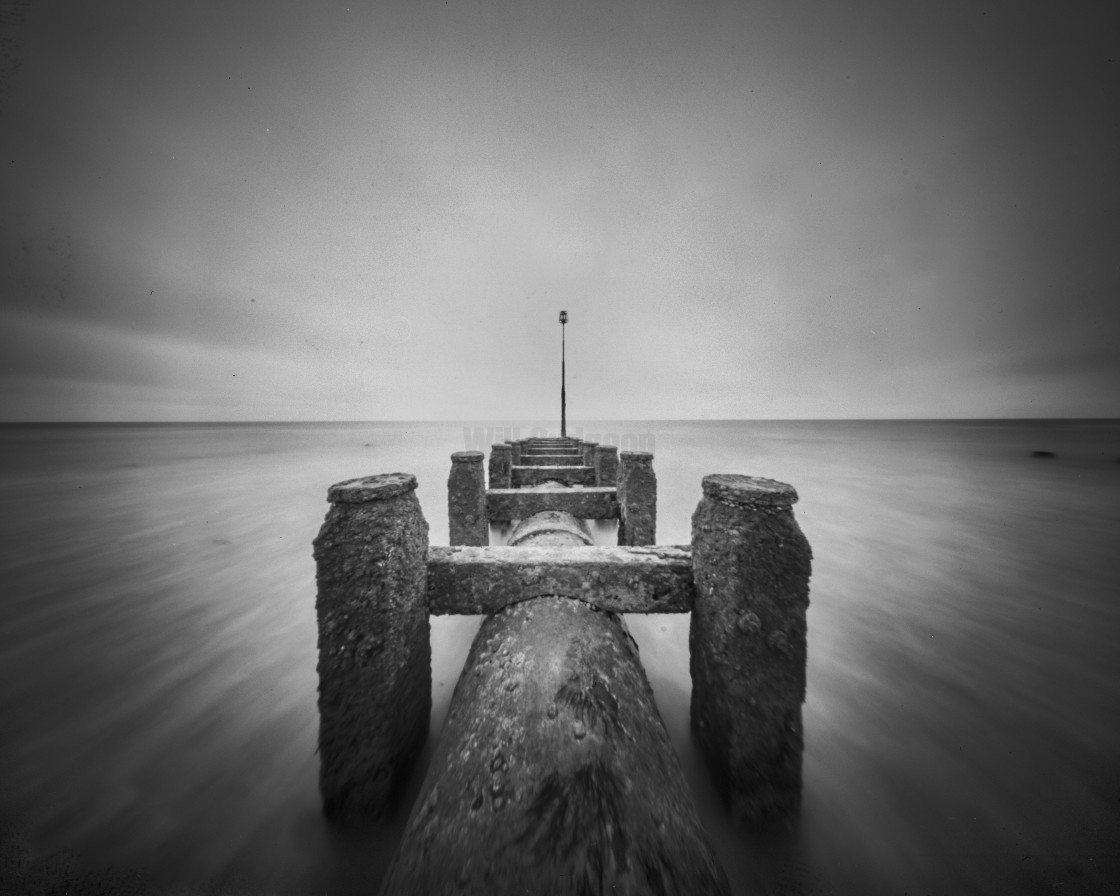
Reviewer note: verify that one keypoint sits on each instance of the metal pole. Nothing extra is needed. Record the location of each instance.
(563, 394)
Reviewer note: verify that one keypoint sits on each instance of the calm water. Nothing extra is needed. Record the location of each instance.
(157, 653)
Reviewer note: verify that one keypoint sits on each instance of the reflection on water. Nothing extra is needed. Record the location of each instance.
(157, 652)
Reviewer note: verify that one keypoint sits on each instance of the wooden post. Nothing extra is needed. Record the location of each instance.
(747, 642)
(554, 773)
(606, 464)
(637, 498)
(500, 462)
(466, 500)
(375, 681)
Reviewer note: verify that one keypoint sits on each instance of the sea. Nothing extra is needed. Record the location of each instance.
(158, 716)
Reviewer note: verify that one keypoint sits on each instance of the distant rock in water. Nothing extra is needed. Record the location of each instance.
(1044, 454)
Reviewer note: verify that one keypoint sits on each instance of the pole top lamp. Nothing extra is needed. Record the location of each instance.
(563, 317)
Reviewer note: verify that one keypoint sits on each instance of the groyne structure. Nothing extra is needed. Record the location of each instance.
(554, 772)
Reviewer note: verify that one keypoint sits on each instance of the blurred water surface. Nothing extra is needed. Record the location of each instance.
(157, 652)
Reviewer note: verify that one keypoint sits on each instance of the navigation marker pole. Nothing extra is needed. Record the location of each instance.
(563, 395)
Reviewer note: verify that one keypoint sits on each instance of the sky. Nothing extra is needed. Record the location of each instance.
(775, 209)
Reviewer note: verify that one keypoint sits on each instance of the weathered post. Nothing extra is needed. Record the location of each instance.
(466, 500)
(501, 459)
(554, 773)
(588, 449)
(375, 681)
(747, 641)
(637, 499)
(606, 464)
(515, 451)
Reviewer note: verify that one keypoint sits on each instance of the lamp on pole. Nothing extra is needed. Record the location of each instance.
(563, 396)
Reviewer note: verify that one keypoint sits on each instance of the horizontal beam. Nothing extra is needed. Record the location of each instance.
(521, 475)
(522, 503)
(552, 460)
(476, 581)
(554, 446)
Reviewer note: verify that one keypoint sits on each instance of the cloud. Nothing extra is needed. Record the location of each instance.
(59, 368)
(774, 209)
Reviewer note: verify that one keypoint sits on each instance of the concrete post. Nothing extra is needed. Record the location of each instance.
(500, 462)
(375, 680)
(637, 499)
(515, 451)
(588, 449)
(747, 642)
(606, 464)
(466, 500)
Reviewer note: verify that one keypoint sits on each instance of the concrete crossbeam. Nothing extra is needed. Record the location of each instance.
(582, 503)
(523, 475)
(471, 580)
(552, 460)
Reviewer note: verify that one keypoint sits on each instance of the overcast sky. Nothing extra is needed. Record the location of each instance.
(321, 211)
